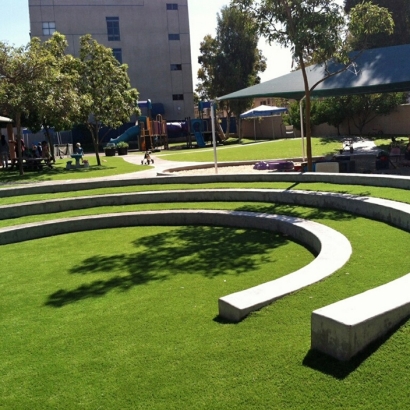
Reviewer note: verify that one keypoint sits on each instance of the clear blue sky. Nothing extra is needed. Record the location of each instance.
(15, 28)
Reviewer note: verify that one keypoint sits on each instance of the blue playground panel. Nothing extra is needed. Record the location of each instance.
(199, 139)
(131, 134)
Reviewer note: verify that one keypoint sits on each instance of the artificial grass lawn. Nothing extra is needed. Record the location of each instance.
(286, 148)
(117, 165)
(126, 318)
(395, 194)
(109, 166)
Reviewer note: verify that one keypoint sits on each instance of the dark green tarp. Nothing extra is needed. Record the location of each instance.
(377, 70)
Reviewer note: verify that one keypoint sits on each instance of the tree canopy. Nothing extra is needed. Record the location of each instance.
(42, 85)
(231, 60)
(104, 86)
(23, 73)
(400, 12)
(60, 101)
(314, 28)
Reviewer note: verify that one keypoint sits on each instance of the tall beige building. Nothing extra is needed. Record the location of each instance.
(151, 36)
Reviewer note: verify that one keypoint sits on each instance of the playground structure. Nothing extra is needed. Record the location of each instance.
(153, 133)
(149, 134)
(131, 134)
(202, 131)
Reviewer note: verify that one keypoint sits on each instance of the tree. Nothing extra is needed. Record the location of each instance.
(60, 101)
(334, 110)
(104, 87)
(231, 60)
(314, 28)
(400, 11)
(367, 107)
(23, 73)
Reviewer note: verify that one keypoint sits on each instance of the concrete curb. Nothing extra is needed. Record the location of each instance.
(392, 181)
(392, 212)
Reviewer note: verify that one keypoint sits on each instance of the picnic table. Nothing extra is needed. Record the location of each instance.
(35, 164)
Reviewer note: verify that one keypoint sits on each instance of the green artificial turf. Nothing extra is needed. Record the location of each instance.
(395, 194)
(287, 148)
(109, 166)
(127, 318)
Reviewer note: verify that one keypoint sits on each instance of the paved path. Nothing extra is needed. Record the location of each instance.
(160, 165)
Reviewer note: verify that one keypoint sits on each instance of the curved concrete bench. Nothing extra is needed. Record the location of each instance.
(332, 247)
(345, 328)
(395, 213)
(393, 181)
(392, 212)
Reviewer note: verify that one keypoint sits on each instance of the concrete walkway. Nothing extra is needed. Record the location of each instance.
(159, 166)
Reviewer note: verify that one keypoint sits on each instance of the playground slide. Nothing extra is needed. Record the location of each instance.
(199, 139)
(130, 135)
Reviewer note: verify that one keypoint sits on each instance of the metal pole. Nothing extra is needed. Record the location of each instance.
(214, 136)
(301, 128)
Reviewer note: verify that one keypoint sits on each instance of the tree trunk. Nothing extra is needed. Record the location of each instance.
(19, 153)
(239, 127)
(228, 123)
(50, 142)
(94, 135)
(307, 116)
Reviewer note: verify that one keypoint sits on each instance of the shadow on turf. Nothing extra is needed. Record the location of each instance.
(340, 370)
(46, 174)
(294, 211)
(200, 250)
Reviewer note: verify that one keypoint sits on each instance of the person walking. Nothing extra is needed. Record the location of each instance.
(4, 152)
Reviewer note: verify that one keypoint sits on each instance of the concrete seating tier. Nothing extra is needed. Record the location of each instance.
(395, 213)
(345, 328)
(393, 181)
(367, 309)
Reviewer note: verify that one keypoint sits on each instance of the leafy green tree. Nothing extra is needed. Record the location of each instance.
(293, 116)
(334, 111)
(231, 60)
(107, 98)
(400, 11)
(314, 28)
(23, 73)
(60, 101)
(366, 107)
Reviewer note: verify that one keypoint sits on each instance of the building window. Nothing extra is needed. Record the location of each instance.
(117, 52)
(173, 36)
(113, 28)
(177, 97)
(176, 67)
(172, 6)
(49, 27)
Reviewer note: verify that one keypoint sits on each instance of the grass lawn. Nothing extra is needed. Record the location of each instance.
(109, 166)
(117, 165)
(286, 148)
(127, 318)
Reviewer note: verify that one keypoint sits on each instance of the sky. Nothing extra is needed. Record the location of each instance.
(15, 28)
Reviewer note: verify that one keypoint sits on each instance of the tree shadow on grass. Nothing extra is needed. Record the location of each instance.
(48, 174)
(294, 211)
(188, 250)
